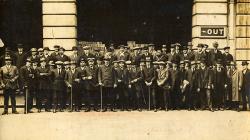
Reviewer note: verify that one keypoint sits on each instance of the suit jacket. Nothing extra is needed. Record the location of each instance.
(176, 79)
(92, 84)
(173, 57)
(62, 58)
(138, 75)
(7, 74)
(122, 76)
(244, 80)
(59, 80)
(192, 77)
(214, 56)
(107, 76)
(45, 79)
(28, 76)
(150, 75)
(20, 60)
(205, 78)
(70, 78)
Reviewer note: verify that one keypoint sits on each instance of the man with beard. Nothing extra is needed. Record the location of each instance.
(215, 54)
(108, 81)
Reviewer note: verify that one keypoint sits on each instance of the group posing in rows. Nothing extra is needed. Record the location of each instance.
(127, 79)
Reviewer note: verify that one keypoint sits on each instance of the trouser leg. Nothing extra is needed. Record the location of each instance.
(13, 99)
(6, 99)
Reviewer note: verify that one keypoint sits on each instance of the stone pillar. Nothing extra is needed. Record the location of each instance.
(59, 23)
(210, 22)
(231, 27)
(242, 30)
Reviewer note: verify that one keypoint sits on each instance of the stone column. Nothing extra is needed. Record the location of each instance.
(242, 34)
(231, 26)
(59, 23)
(209, 22)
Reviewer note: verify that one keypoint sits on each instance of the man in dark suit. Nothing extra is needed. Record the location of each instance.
(72, 82)
(58, 86)
(176, 82)
(190, 83)
(61, 56)
(46, 54)
(226, 56)
(44, 85)
(20, 56)
(150, 82)
(205, 86)
(214, 54)
(55, 53)
(122, 85)
(244, 84)
(28, 74)
(92, 86)
(219, 82)
(108, 80)
(135, 86)
(8, 81)
(172, 55)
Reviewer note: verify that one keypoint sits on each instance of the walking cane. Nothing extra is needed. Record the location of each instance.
(71, 99)
(101, 96)
(149, 93)
(26, 100)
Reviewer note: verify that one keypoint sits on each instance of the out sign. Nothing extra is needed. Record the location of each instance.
(216, 31)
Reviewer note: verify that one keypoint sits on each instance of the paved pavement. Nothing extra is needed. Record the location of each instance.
(185, 125)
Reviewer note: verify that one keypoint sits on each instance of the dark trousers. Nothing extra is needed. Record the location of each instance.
(108, 97)
(136, 97)
(29, 96)
(44, 95)
(166, 97)
(175, 98)
(123, 96)
(58, 99)
(9, 93)
(218, 97)
(244, 95)
(91, 98)
(151, 95)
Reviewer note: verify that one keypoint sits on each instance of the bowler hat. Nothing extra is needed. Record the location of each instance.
(243, 63)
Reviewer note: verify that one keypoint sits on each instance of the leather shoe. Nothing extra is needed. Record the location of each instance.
(5, 113)
(15, 112)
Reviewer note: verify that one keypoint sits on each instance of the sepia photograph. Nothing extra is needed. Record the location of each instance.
(124, 69)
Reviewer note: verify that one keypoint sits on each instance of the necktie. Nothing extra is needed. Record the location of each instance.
(59, 71)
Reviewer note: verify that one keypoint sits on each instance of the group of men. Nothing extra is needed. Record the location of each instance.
(125, 79)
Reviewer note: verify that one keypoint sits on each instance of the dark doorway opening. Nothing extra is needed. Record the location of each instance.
(21, 22)
(143, 21)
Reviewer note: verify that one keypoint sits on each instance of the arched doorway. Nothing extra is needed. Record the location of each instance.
(117, 21)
